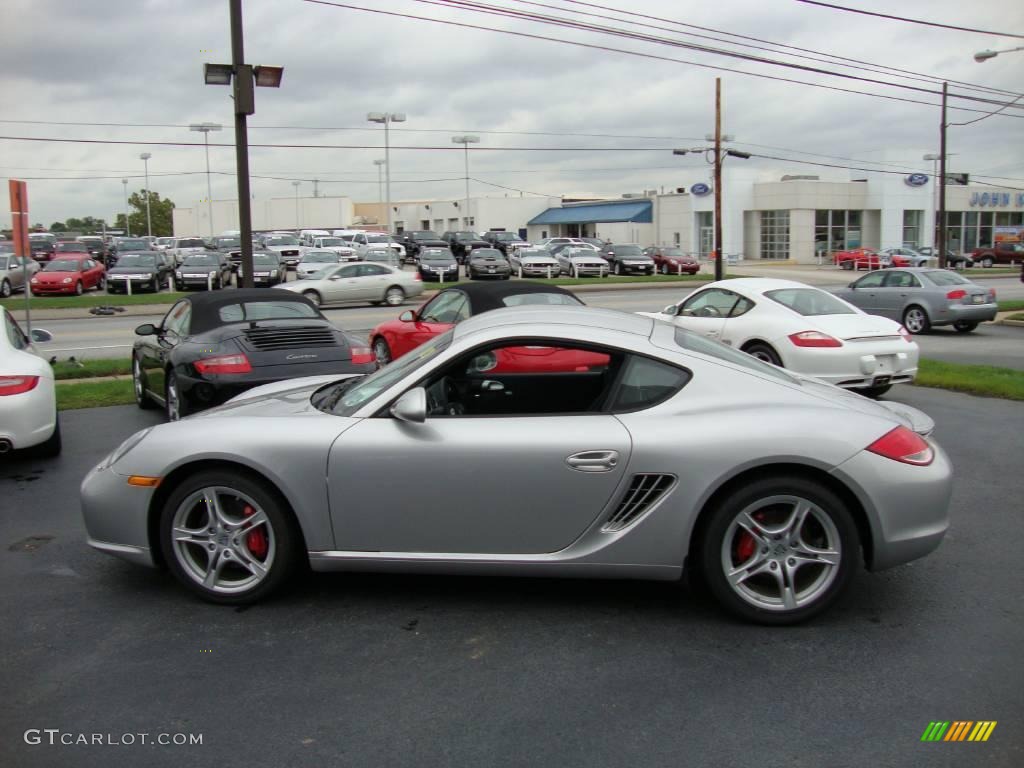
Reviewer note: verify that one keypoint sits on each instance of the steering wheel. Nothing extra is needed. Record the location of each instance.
(710, 311)
(443, 399)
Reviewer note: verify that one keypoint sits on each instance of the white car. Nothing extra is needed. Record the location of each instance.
(163, 243)
(287, 247)
(15, 272)
(342, 247)
(185, 246)
(802, 328)
(363, 282)
(316, 261)
(28, 399)
(579, 261)
(534, 262)
(364, 241)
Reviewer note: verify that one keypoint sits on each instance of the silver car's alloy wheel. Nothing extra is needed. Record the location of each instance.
(173, 398)
(382, 352)
(781, 553)
(313, 296)
(916, 320)
(394, 296)
(5, 289)
(223, 540)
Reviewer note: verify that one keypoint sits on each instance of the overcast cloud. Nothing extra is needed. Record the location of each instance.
(120, 61)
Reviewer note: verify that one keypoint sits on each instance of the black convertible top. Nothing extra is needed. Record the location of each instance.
(484, 297)
(206, 306)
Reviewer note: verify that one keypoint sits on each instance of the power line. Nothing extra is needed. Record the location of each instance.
(990, 114)
(909, 21)
(644, 55)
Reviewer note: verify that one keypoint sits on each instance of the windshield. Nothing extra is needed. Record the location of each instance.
(425, 235)
(535, 253)
(326, 241)
(282, 240)
(266, 310)
(321, 257)
(346, 397)
(810, 302)
(137, 260)
(63, 265)
(627, 250)
(226, 242)
(132, 245)
(436, 254)
(504, 236)
(378, 239)
(671, 252)
(71, 248)
(944, 277)
(191, 243)
(466, 236)
(199, 261)
(265, 258)
(695, 342)
(486, 253)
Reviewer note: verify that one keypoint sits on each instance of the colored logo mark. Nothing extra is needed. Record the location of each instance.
(700, 189)
(916, 179)
(958, 730)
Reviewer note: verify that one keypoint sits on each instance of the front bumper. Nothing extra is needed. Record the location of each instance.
(591, 269)
(52, 289)
(498, 273)
(907, 506)
(636, 269)
(116, 516)
(120, 282)
(535, 270)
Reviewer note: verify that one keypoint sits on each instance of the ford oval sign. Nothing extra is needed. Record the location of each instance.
(699, 189)
(917, 179)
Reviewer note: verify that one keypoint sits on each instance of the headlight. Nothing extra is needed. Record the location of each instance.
(177, 274)
(35, 280)
(213, 274)
(67, 280)
(123, 449)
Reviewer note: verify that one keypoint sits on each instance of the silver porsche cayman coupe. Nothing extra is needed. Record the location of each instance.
(588, 443)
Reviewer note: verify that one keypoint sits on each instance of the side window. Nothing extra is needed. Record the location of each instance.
(714, 302)
(524, 379)
(444, 308)
(874, 280)
(348, 272)
(901, 280)
(372, 270)
(14, 333)
(647, 382)
(741, 307)
(177, 320)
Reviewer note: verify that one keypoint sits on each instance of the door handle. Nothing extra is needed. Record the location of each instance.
(593, 461)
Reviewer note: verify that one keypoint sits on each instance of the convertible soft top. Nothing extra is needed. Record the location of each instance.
(206, 306)
(484, 297)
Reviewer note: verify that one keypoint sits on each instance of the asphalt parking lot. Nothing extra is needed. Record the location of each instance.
(412, 670)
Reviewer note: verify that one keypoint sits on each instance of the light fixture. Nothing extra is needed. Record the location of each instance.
(680, 151)
(267, 76)
(218, 74)
(987, 54)
(386, 118)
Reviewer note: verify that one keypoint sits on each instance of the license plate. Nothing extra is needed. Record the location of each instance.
(977, 299)
(880, 381)
(490, 269)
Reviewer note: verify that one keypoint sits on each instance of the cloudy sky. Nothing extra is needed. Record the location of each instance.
(138, 64)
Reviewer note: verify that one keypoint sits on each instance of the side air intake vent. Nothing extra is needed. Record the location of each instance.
(644, 492)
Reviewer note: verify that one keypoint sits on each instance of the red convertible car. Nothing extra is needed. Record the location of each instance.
(68, 275)
(394, 338)
(859, 258)
(672, 261)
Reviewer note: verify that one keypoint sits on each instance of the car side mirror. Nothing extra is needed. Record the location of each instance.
(411, 407)
(407, 317)
(852, 285)
(40, 336)
(334, 277)
(146, 329)
(671, 309)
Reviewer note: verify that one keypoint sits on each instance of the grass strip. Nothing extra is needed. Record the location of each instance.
(982, 380)
(16, 303)
(1019, 317)
(91, 369)
(94, 394)
(1011, 305)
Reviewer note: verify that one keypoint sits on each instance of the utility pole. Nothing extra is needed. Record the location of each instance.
(144, 157)
(942, 181)
(718, 179)
(244, 106)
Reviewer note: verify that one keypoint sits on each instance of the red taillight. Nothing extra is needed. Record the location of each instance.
(224, 364)
(16, 385)
(814, 339)
(957, 294)
(416, 276)
(362, 355)
(906, 335)
(904, 446)
(991, 295)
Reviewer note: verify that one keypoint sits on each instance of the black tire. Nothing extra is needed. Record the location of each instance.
(847, 265)
(175, 403)
(986, 262)
(394, 296)
(873, 392)
(617, 268)
(782, 552)
(964, 326)
(79, 288)
(382, 352)
(314, 297)
(52, 446)
(139, 386)
(915, 320)
(236, 489)
(5, 289)
(102, 284)
(763, 352)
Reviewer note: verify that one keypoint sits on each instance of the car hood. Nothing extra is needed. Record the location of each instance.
(119, 270)
(53, 277)
(283, 398)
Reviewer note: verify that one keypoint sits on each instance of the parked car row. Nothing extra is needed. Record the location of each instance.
(903, 256)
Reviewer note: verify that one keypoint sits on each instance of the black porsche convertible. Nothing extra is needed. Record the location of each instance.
(214, 345)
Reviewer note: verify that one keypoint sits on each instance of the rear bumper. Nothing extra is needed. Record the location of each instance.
(873, 363)
(975, 313)
(29, 418)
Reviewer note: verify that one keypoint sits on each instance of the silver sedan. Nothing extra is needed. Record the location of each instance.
(361, 282)
(15, 271)
(921, 298)
(600, 445)
(534, 262)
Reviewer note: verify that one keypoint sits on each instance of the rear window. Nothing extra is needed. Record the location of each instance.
(193, 243)
(943, 277)
(549, 299)
(627, 250)
(266, 310)
(693, 342)
(810, 302)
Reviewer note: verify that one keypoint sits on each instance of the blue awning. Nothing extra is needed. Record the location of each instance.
(638, 211)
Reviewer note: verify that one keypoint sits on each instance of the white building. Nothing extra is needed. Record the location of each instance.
(484, 214)
(274, 213)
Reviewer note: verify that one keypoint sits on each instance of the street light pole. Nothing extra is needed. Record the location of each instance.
(144, 157)
(380, 181)
(465, 141)
(205, 129)
(387, 118)
(298, 222)
(127, 225)
(981, 56)
(718, 179)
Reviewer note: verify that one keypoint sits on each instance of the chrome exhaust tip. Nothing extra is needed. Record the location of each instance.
(5, 446)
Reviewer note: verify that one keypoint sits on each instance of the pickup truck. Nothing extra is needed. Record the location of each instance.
(1001, 253)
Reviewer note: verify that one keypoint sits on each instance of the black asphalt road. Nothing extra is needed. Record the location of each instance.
(405, 670)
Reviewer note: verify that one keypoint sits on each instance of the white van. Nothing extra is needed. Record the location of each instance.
(307, 236)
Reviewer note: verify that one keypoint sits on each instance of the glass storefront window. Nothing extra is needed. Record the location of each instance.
(774, 234)
(837, 230)
(912, 228)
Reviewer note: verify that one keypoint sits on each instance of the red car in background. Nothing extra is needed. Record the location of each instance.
(859, 258)
(68, 275)
(69, 249)
(671, 261)
(394, 338)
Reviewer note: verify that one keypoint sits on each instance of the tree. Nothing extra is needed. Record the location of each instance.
(160, 211)
(58, 226)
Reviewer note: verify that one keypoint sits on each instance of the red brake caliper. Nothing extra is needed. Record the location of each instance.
(745, 543)
(256, 540)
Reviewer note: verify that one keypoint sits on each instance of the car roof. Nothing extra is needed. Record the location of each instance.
(484, 297)
(758, 285)
(206, 305)
(546, 316)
